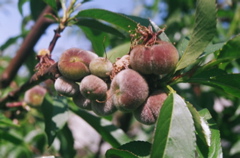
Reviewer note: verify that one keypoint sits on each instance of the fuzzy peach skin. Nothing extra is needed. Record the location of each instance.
(158, 59)
(35, 95)
(148, 112)
(128, 90)
(101, 67)
(93, 87)
(74, 62)
(66, 87)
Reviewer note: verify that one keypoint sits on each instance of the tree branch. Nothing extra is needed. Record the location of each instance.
(27, 46)
(38, 77)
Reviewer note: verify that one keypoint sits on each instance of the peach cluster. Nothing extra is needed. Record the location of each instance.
(127, 85)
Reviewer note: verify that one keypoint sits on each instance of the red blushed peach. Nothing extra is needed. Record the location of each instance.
(160, 58)
(73, 63)
(105, 107)
(35, 95)
(148, 112)
(66, 87)
(93, 88)
(128, 90)
(101, 67)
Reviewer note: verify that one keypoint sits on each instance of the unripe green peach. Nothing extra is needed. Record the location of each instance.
(82, 102)
(105, 107)
(148, 112)
(129, 90)
(35, 95)
(101, 67)
(73, 63)
(66, 87)
(93, 88)
(160, 58)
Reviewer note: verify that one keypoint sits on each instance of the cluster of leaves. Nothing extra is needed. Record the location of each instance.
(187, 125)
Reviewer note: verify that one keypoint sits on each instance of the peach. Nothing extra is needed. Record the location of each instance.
(148, 112)
(66, 87)
(101, 67)
(35, 95)
(74, 62)
(159, 59)
(128, 90)
(93, 88)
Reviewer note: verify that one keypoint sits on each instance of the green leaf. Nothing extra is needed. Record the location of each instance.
(96, 25)
(97, 39)
(6, 122)
(67, 143)
(162, 36)
(84, 1)
(137, 19)
(203, 32)
(20, 4)
(215, 149)
(219, 79)
(118, 51)
(52, 4)
(201, 126)
(211, 48)
(118, 153)
(12, 138)
(181, 47)
(133, 148)
(52, 17)
(110, 133)
(36, 8)
(119, 20)
(231, 49)
(175, 133)
(139, 148)
(55, 113)
(12, 40)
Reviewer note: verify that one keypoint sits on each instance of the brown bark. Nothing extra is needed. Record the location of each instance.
(27, 46)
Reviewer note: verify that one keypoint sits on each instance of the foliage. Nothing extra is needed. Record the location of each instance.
(199, 118)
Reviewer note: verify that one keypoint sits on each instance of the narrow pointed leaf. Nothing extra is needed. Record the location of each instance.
(12, 40)
(67, 149)
(135, 148)
(20, 4)
(6, 122)
(52, 4)
(231, 49)
(118, 20)
(55, 113)
(162, 36)
(219, 79)
(97, 38)
(175, 133)
(203, 32)
(201, 126)
(96, 25)
(36, 8)
(118, 153)
(215, 149)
